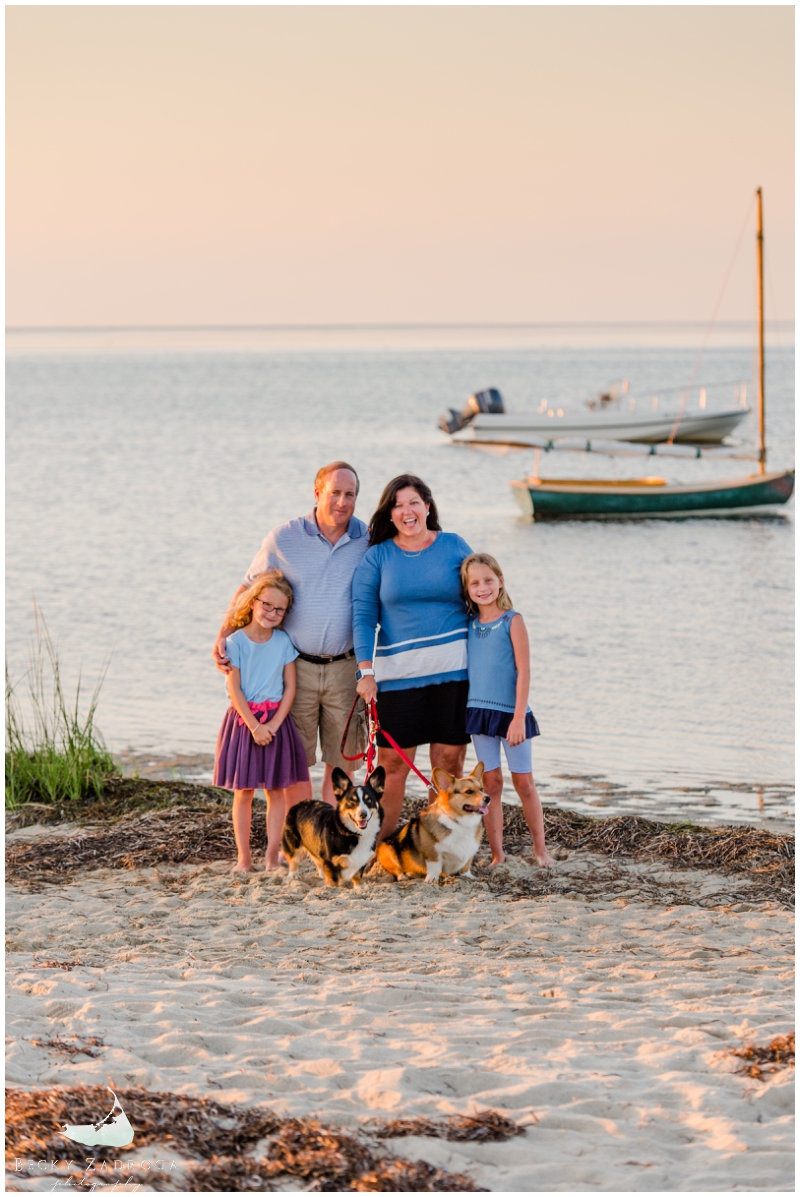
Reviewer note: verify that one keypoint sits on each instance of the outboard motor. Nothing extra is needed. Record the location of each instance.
(452, 423)
(489, 402)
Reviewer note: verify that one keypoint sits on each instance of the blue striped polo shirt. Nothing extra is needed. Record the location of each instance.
(320, 621)
(417, 600)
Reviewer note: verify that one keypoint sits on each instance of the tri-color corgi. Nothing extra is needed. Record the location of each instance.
(340, 841)
(445, 837)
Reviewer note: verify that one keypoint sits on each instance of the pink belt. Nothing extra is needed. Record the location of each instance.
(258, 708)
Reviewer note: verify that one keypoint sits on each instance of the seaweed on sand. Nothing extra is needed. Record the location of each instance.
(179, 835)
(75, 1045)
(120, 796)
(322, 1158)
(776, 1055)
(767, 859)
(759, 864)
(332, 1160)
(484, 1127)
(198, 1126)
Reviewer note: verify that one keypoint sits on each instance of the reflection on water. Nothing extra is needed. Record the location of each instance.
(140, 484)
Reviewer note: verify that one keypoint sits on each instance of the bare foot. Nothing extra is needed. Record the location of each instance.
(498, 859)
(280, 863)
(241, 867)
(546, 861)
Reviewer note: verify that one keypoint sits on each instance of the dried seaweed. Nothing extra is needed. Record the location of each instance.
(199, 833)
(326, 1160)
(76, 1045)
(409, 1176)
(765, 858)
(485, 1127)
(323, 1158)
(121, 796)
(776, 1055)
(199, 1126)
(182, 835)
(607, 881)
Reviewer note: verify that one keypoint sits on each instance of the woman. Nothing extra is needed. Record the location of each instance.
(409, 582)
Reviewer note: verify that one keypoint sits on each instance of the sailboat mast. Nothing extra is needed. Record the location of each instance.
(762, 455)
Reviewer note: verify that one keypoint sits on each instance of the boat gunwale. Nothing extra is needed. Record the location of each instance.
(638, 486)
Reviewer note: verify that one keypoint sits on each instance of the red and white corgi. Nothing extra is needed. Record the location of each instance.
(445, 837)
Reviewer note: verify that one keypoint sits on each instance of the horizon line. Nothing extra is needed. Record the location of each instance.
(544, 324)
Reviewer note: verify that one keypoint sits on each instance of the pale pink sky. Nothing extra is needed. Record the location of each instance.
(187, 165)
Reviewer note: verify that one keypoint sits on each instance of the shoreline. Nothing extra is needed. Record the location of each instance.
(771, 806)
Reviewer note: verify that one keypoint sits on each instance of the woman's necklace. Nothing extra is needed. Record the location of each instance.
(417, 553)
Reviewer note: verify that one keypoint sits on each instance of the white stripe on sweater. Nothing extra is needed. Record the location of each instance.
(422, 662)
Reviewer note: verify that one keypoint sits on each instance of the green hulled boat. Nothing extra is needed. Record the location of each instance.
(651, 498)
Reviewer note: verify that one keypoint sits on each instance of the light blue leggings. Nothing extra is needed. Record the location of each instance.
(518, 757)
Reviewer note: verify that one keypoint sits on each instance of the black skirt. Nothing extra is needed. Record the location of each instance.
(424, 715)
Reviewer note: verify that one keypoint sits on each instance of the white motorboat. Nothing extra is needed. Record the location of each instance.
(524, 429)
(484, 420)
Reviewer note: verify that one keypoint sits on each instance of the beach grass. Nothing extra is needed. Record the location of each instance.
(57, 754)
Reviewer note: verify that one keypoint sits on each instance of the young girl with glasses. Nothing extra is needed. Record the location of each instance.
(258, 746)
(498, 664)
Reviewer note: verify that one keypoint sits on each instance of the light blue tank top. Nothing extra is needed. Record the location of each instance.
(491, 665)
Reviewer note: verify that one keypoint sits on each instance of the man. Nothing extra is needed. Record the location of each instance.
(318, 554)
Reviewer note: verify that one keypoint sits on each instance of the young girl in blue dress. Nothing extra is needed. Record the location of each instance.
(498, 663)
(258, 746)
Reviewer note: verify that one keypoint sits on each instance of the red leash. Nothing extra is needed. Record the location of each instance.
(374, 727)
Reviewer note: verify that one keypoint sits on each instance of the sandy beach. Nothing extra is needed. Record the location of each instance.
(602, 1026)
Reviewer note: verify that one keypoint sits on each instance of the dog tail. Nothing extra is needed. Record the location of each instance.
(291, 840)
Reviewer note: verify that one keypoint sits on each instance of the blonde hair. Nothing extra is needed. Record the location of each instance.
(503, 599)
(241, 610)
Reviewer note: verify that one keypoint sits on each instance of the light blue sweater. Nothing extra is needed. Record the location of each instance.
(416, 598)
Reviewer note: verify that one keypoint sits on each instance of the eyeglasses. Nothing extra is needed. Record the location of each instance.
(270, 610)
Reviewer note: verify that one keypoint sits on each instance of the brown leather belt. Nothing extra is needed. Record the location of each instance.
(325, 660)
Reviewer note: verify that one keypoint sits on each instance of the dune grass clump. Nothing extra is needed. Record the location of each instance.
(57, 755)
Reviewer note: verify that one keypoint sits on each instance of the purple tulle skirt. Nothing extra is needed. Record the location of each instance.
(241, 764)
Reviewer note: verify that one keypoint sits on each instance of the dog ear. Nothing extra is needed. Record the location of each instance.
(341, 782)
(478, 772)
(442, 780)
(377, 779)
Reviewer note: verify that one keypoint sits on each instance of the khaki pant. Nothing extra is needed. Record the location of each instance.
(324, 697)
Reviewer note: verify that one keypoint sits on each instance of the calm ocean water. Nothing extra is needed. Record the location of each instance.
(143, 473)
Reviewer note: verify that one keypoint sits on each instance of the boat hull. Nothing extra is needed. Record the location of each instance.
(651, 499)
(648, 430)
